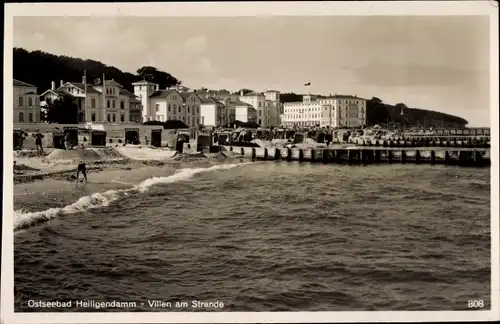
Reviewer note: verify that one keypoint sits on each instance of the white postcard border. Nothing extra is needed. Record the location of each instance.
(246, 9)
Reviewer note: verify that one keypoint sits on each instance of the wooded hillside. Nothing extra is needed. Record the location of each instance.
(40, 68)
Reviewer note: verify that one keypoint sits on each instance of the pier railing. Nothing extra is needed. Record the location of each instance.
(463, 157)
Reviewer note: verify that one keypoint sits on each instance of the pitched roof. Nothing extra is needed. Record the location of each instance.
(18, 83)
(112, 82)
(210, 101)
(341, 96)
(126, 92)
(239, 103)
(251, 94)
(162, 93)
(57, 92)
(186, 94)
(143, 82)
(81, 86)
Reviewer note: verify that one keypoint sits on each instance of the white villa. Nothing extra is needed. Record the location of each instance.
(112, 105)
(26, 103)
(169, 104)
(334, 111)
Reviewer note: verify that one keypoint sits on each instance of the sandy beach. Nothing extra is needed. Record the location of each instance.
(49, 180)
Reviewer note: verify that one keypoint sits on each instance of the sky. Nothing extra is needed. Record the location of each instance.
(433, 62)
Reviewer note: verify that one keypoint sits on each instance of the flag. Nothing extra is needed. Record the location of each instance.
(307, 84)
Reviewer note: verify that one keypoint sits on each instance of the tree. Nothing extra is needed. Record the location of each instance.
(290, 97)
(376, 100)
(152, 74)
(61, 111)
(245, 91)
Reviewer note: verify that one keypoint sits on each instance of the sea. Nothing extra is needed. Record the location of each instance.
(263, 236)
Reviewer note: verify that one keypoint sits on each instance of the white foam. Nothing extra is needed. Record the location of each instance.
(23, 219)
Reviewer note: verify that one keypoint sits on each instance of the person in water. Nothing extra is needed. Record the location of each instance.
(83, 169)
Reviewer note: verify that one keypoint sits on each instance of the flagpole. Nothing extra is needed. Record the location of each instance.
(85, 98)
(104, 95)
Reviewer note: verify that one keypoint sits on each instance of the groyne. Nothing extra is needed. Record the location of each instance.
(372, 155)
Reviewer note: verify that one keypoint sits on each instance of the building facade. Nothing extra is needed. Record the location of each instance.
(258, 102)
(26, 103)
(214, 113)
(335, 111)
(273, 106)
(164, 105)
(108, 102)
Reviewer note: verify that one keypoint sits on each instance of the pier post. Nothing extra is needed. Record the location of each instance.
(389, 156)
(313, 153)
(433, 157)
(417, 156)
(403, 156)
(254, 153)
(446, 157)
(230, 149)
(301, 155)
(464, 158)
(478, 158)
(242, 151)
(377, 156)
(266, 153)
(326, 155)
(335, 156)
(277, 154)
(289, 154)
(349, 157)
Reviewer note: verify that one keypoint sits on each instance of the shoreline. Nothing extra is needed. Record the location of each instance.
(42, 193)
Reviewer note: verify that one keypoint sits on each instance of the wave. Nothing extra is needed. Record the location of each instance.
(23, 220)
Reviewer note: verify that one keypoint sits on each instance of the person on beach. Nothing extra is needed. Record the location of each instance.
(66, 141)
(38, 141)
(83, 169)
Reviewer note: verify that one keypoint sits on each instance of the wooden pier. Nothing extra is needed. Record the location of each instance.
(372, 155)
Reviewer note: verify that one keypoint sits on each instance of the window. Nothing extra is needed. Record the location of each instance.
(197, 110)
(108, 103)
(30, 102)
(188, 109)
(92, 103)
(122, 104)
(21, 103)
(93, 117)
(157, 107)
(30, 117)
(114, 106)
(114, 118)
(122, 118)
(168, 107)
(260, 113)
(21, 117)
(109, 118)
(179, 108)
